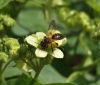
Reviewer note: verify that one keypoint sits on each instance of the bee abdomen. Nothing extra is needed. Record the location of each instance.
(57, 36)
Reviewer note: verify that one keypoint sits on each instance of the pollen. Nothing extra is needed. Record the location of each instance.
(54, 44)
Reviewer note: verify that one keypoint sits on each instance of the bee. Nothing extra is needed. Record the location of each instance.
(49, 39)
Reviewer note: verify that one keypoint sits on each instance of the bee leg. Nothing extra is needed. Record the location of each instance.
(57, 44)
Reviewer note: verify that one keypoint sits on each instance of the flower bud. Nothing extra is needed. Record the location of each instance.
(1, 47)
(8, 21)
(59, 3)
(63, 13)
(3, 57)
(72, 19)
(14, 53)
(1, 27)
(96, 35)
(83, 16)
(1, 17)
(47, 60)
(11, 43)
(23, 48)
(30, 54)
(90, 28)
(0, 41)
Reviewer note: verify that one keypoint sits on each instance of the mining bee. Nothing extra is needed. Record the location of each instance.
(49, 39)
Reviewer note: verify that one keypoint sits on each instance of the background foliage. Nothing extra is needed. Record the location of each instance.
(78, 20)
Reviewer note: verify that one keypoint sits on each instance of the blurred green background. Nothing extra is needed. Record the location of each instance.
(77, 19)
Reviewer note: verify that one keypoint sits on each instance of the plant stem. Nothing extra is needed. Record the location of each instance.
(0, 66)
(6, 66)
(88, 67)
(37, 73)
(81, 38)
(2, 70)
(1, 75)
(33, 65)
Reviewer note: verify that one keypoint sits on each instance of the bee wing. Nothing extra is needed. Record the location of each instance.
(52, 25)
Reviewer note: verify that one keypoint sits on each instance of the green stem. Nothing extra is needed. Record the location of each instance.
(88, 67)
(81, 39)
(1, 77)
(17, 7)
(2, 70)
(33, 65)
(0, 66)
(6, 66)
(1, 74)
(47, 9)
(37, 73)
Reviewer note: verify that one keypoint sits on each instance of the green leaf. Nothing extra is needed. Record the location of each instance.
(30, 21)
(80, 50)
(50, 75)
(62, 84)
(47, 75)
(4, 3)
(97, 82)
(11, 71)
(98, 69)
(87, 61)
(93, 84)
(72, 41)
(24, 80)
(10, 82)
(71, 44)
(95, 4)
(80, 78)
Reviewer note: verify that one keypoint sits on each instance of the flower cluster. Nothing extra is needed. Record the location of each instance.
(6, 20)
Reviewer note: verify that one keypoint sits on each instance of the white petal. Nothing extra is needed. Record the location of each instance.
(61, 42)
(57, 53)
(32, 40)
(40, 35)
(41, 53)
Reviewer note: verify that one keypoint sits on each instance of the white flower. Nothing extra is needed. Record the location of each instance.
(35, 40)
